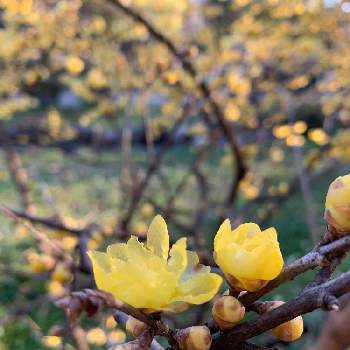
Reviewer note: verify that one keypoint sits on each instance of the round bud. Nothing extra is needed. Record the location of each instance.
(194, 338)
(61, 273)
(288, 331)
(337, 211)
(227, 312)
(135, 327)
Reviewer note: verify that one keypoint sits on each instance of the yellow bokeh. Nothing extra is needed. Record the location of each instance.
(96, 336)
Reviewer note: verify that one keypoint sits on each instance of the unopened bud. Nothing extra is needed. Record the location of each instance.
(227, 312)
(61, 273)
(135, 327)
(337, 211)
(288, 331)
(194, 338)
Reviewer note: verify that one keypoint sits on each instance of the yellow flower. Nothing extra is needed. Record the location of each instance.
(337, 212)
(149, 276)
(248, 256)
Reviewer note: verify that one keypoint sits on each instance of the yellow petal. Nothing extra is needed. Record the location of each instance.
(245, 231)
(136, 252)
(223, 235)
(271, 233)
(198, 289)
(102, 269)
(117, 251)
(264, 262)
(158, 237)
(178, 257)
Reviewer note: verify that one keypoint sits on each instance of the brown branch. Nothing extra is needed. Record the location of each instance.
(335, 332)
(151, 170)
(20, 177)
(92, 300)
(308, 301)
(239, 168)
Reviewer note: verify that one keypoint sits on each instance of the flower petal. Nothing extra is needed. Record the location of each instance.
(102, 269)
(223, 235)
(178, 257)
(117, 251)
(245, 232)
(158, 237)
(198, 289)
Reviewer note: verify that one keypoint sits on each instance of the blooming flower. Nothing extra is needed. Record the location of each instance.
(248, 256)
(148, 276)
(337, 212)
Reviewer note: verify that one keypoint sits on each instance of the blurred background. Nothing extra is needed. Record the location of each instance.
(112, 111)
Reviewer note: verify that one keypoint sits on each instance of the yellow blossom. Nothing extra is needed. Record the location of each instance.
(96, 336)
(248, 256)
(148, 276)
(97, 79)
(52, 341)
(74, 65)
(337, 213)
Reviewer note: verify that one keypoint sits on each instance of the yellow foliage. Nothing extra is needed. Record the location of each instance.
(96, 79)
(276, 154)
(232, 112)
(56, 289)
(52, 341)
(117, 336)
(295, 140)
(74, 65)
(282, 131)
(318, 136)
(111, 322)
(96, 336)
(14, 7)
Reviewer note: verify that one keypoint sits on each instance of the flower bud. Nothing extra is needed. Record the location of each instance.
(288, 331)
(227, 312)
(61, 273)
(194, 338)
(337, 212)
(135, 327)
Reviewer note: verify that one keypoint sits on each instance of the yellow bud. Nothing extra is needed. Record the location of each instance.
(96, 336)
(288, 331)
(111, 322)
(227, 312)
(61, 273)
(194, 338)
(74, 65)
(147, 210)
(52, 341)
(135, 327)
(337, 212)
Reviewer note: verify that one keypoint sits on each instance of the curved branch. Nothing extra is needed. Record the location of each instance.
(309, 300)
(239, 168)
